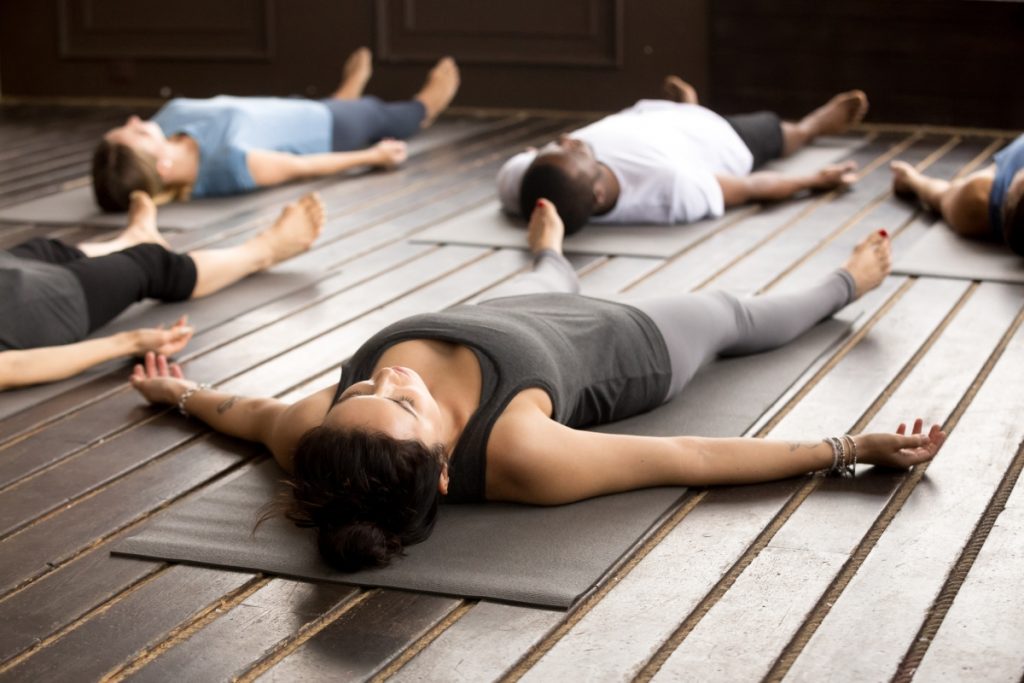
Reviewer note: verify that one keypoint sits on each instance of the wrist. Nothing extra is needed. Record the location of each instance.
(130, 342)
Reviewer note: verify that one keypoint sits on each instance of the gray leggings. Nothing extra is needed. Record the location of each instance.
(698, 326)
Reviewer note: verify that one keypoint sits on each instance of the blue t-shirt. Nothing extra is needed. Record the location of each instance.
(1009, 161)
(226, 128)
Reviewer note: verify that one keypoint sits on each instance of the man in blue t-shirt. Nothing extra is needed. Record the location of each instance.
(987, 204)
(229, 145)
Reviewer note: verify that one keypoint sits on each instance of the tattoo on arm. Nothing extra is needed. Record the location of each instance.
(797, 445)
(225, 406)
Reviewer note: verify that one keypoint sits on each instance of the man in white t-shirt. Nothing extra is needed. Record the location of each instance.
(663, 161)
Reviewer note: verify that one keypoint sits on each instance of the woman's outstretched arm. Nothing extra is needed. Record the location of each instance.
(558, 464)
(275, 424)
(273, 168)
(20, 368)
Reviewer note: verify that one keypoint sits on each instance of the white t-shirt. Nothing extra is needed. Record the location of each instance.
(665, 156)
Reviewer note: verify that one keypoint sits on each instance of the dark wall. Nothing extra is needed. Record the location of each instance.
(568, 54)
(936, 61)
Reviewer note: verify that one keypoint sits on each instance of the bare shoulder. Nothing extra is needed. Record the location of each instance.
(295, 420)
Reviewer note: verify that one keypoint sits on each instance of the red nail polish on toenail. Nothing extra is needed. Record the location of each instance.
(540, 202)
(883, 232)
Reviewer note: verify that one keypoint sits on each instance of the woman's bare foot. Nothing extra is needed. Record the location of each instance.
(142, 222)
(837, 115)
(295, 229)
(354, 75)
(903, 177)
(678, 90)
(439, 89)
(546, 229)
(870, 262)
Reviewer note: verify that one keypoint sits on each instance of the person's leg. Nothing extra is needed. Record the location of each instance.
(832, 118)
(551, 272)
(699, 326)
(47, 250)
(142, 229)
(676, 89)
(112, 282)
(292, 233)
(438, 90)
(359, 123)
(354, 75)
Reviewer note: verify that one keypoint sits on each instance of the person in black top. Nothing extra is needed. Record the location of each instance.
(488, 402)
(56, 294)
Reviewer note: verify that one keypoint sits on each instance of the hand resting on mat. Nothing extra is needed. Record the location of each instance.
(491, 402)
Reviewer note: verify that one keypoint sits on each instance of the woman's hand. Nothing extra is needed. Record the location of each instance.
(900, 450)
(165, 342)
(389, 153)
(159, 381)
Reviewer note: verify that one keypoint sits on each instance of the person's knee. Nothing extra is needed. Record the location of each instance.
(571, 193)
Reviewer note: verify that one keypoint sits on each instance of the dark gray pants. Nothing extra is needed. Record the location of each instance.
(698, 326)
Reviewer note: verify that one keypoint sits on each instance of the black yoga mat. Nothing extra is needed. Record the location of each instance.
(544, 556)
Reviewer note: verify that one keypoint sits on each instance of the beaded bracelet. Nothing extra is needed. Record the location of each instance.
(188, 394)
(844, 456)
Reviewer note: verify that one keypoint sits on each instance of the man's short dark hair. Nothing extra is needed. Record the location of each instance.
(572, 194)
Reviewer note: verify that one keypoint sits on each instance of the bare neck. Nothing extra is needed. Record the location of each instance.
(609, 184)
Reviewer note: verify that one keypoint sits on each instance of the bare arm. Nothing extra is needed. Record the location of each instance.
(277, 425)
(559, 464)
(273, 168)
(774, 186)
(19, 368)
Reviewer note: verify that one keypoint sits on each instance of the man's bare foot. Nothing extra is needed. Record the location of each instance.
(142, 222)
(295, 229)
(903, 177)
(546, 229)
(837, 115)
(354, 75)
(678, 90)
(439, 89)
(870, 262)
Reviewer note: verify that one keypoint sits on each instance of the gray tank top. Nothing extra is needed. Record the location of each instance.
(599, 361)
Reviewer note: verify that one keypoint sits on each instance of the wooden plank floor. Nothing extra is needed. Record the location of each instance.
(892, 576)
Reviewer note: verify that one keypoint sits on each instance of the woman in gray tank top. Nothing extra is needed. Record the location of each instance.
(488, 403)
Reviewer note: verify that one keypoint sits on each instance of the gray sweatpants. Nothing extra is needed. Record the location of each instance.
(698, 326)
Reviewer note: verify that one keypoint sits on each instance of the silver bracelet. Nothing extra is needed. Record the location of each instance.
(188, 394)
(851, 467)
(838, 457)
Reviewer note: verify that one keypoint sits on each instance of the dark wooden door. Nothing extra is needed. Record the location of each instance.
(570, 54)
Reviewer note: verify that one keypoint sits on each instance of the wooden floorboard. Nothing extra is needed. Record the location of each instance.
(762, 582)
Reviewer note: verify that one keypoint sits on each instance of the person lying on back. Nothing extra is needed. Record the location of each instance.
(226, 145)
(986, 205)
(673, 161)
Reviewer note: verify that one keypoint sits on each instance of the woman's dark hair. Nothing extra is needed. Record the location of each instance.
(367, 494)
(572, 194)
(117, 171)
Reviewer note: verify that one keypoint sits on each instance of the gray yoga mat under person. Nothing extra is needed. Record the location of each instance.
(698, 326)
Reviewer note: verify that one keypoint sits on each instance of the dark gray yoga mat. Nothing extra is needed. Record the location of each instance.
(548, 557)
(942, 253)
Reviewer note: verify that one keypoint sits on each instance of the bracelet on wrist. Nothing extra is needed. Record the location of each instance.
(187, 394)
